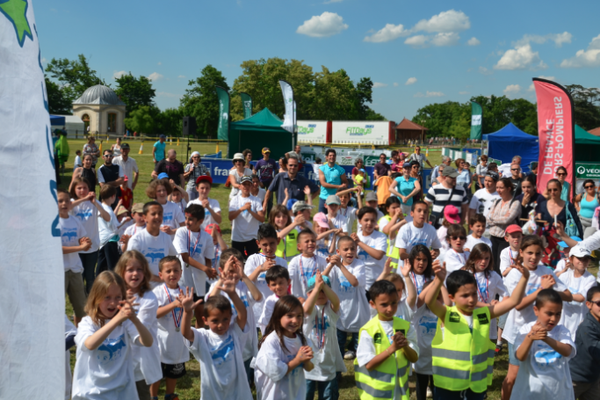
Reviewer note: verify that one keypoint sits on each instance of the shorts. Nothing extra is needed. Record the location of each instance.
(76, 292)
(196, 298)
(173, 371)
(512, 358)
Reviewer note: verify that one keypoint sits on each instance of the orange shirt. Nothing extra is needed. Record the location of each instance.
(383, 188)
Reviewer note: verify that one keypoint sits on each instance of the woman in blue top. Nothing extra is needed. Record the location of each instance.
(464, 176)
(561, 174)
(586, 203)
(332, 178)
(405, 188)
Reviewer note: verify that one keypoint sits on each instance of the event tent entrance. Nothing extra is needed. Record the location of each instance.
(261, 129)
(511, 141)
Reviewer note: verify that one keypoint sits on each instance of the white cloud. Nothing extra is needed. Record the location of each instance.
(396, 84)
(429, 94)
(387, 33)
(446, 21)
(416, 41)
(155, 76)
(512, 90)
(550, 78)
(585, 58)
(445, 39)
(558, 38)
(379, 85)
(181, 76)
(165, 94)
(521, 57)
(159, 63)
(118, 74)
(326, 24)
(485, 71)
(411, 80)
(333, 1)
(463, 92)
(473, 41)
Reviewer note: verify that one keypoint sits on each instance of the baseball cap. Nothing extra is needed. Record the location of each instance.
(513, 229)
(211, 227)
(580, 252)
(564, 244)
(450, 172)
(162, 137)
(310, 285)
(137, 208)
(321, 220)
(301, 205)
(406, 165)
(204, 178)
(121, 210)
(371, 196)
(333, 199)
(124, 146)
(494, 175)
(246, 178)
(451, 214)
(290, 203)
(238, 156)
(163, 175)
(266, 150)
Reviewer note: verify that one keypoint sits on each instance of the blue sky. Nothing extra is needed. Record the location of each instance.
(417, 53)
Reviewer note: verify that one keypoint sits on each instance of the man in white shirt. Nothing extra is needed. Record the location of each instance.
(128, 166)
(483, 199)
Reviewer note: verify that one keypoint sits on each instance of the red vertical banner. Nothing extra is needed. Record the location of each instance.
(555, 130)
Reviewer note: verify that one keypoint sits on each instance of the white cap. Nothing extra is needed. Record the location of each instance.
(580, 252)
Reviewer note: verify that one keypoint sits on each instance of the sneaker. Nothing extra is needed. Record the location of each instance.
(350, 355)
(498, 348)
(429, 393)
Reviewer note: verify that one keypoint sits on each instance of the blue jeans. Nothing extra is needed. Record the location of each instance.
(249, 371)
(89, 268)
(327, 390)
(443, 394)
(342, 338)
(322, 205)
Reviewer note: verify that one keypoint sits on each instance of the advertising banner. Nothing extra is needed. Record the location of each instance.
(290, 106)
(312, 131)
(476, 120)
(246, 104)
(223, 130)
(368, 132)
(345, 156)
(556, 131)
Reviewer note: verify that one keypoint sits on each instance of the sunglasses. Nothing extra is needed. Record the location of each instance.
(596, 302)
(553, 190)
(561, 174)
(459, 238)
(514, 169)
(589, 186)
(108, 155)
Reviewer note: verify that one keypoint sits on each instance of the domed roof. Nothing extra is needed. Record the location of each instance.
(99, 94)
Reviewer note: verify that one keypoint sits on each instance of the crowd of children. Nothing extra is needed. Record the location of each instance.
(275, 315)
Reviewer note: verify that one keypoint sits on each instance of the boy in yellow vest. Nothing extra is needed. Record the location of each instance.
(386, 347)
(463, 355)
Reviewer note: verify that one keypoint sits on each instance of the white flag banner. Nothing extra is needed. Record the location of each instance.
(32, 342)
(290, 106)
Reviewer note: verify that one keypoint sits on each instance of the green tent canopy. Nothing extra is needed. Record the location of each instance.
(587, 146)
(261, 129)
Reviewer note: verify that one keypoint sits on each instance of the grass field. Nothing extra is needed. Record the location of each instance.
(188, 388)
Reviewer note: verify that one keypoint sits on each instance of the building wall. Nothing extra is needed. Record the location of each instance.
(99, 117)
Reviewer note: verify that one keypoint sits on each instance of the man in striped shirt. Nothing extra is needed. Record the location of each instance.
(439, 196)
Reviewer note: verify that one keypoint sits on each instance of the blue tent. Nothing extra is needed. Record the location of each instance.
(510, 141)
(57, 120)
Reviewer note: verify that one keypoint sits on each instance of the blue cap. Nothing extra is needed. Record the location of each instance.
(564, 244)
(363, 170)
(163, 175)
(291, 203)
(312, 282)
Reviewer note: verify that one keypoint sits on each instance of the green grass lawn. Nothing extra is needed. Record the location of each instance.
(189, 386)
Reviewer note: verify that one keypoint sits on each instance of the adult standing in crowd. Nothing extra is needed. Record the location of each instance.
(464, 176)
(420, 158)
(158, 151)
(504, 211)
(248, 158)
(436, 172)
(516, 178)
(116, 148)
(405, 188)
(192, 171)
(92, 149)
(332, 178)
(238, 171)
(556, 209)
(481, 171)
(265, 170)
(172, 167)
(292, 182)
(282, 165)
(111, 174)
(533, 168)
(484, 198)
(446, 193)
(358, 165)
(505, 169)
(88, 172)
(530, 199)
(586, 204)
(128, 166)
(381, 168)
(397, 161)
(561, 175)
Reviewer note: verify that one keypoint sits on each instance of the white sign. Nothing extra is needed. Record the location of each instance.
(476, 120)
(345, 155)
(368, 132)
(312, 131)
(290, 106)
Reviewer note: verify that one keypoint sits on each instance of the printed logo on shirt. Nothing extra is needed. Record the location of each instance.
(416, 241)
(377, 338)
(483, 319)
(427, 325)
(167, 218)
(67, 234)
(547, 357)
(454, 317)
(222, 353)
(110, 349)
(345, 285)
(84, 215)
(532, 288)
(155, 254)
(363, 255)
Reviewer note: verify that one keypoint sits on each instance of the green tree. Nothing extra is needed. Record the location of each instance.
(170, 122)
(143, 120)
(200, 100)
(440, 117)
(75, 76)
(586, 102)
(57, 102)
(335, 96)
(135, 92)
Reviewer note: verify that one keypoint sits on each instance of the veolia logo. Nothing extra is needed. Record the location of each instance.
(581, 170)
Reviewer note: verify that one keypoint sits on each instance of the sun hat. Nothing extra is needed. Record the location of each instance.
(301, 205)
(451, 214)
(321, 220)
(238, 156)
(137, 208)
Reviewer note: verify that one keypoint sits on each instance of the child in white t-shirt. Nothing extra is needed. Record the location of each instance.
(173, 352)
(159, 190)
(544, 348)
(371, 245)
(178, 196)
(508, 257)
(348, 211)
(133, 268)
(278, 279)
(477, 227)
(321, 316)
(70, 333)
(305, 265)
(283, 352)
(456, 257)
(245, 214)
(219, 348)
(451, 216)
(77, 163)
(390, 224)
(137, 214)
(108, 255)
(212, 209)
(104, 366)
(418, 232)
(332, 204)
(327, 235)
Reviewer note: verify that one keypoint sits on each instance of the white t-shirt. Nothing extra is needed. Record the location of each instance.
(271, 371)
(123, 227)
(128, 168)
(171, 343)
(200, 247)
(340, 222)
(253, 262)
(442, 233)
(133, 229)
(267, 312)
(373, 267)
(69, 330)
(320, 328)
(354, 307)
(234, 175)
(573, 311)
(87, 214)
(516, 319)
(154, 248)
(77, 163)
(261, 194)
(146, 360)
(107, 372)
(471, 242)
(107, 230)
(455, 260)
(545, 374)
(366, 348)
(425, 324)
(508, 258)
(208, 219)
(487, 289)
(301, 269)
(482, 201)
(172, 216)
(410, 236)
(350, 214)
(244, 226)
(71, 230)
(222, 373)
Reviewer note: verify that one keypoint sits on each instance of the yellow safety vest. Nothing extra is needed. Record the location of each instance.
(288, 246)
(392, 251)
(463, 359)
(392, 373)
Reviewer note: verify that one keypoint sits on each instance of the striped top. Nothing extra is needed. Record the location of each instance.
(439, 195)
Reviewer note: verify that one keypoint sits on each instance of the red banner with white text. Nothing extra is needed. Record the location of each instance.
(556, 132)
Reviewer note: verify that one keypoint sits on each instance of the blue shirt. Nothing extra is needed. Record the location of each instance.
(406, 187)
(464, 177)
(333, 176)
(160, 150)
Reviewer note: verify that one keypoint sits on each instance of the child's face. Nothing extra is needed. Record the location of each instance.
(531, 256)
(391, 210)
(457, 242)
(372, 203)
(64, 203)
(514, 240)
(306, 214)
(548, 314)
(218, 321)
(307, 244)
(399, 288)
(347, 250)
(333, 209)
(292, 322)
(593, 307)
(176, 196)
(368, 223)
(109, 305)
(203, 189)
(465, 298)
(419, 214)
(580, 264)
(255, 183)
(281, 220)
(268, 245)
(279, 286)
(345, 199)
(138, 218)
(483, 262)
(120, 217)
(81, 190)
(245, 188)
(321, 298)
(134, 274)
(192, 223)
(154, 217)
(420, 264)
(478, 228)
(386, 305)
(170, 274)
(161, 193)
